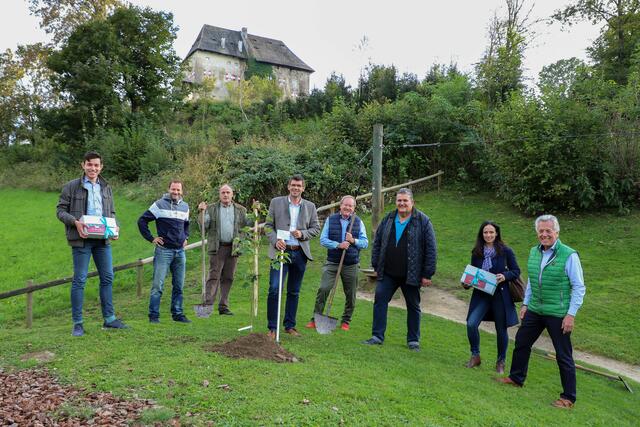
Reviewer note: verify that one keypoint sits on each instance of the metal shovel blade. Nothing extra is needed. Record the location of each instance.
(325, 324)
(203, 310)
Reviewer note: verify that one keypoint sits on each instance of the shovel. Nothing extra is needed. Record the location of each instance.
(325, 324)
(203, 310)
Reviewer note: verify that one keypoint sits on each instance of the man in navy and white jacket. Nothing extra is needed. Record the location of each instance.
(171, 215)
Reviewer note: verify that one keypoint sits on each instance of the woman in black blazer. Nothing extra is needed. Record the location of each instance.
(491, 254)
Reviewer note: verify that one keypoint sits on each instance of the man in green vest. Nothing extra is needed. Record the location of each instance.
(554, 294)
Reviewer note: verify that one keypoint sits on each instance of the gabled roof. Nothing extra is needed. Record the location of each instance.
(262, 49)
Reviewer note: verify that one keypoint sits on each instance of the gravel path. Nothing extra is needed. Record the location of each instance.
(442, 304)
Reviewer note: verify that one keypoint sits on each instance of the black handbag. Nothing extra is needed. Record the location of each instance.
(516, 289)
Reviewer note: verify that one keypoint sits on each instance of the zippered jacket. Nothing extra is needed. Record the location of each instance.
(73, 204)
(172, 221)
(550, 287)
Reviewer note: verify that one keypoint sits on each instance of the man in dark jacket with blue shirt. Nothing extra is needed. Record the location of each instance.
(171, 215)
(403, 256)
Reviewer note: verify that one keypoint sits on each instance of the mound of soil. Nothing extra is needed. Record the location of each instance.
(254, 346)
(34, 398)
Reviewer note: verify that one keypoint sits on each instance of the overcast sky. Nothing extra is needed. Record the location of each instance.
(412, 35)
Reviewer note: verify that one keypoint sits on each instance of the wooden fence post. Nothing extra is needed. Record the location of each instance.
(439, 179)
(29, 305)
(140, 278)
(377, 198)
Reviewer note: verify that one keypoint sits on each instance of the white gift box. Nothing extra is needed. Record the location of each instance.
(479, 279)
(99, 227)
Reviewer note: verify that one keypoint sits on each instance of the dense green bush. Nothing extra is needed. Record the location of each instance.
(549, 157)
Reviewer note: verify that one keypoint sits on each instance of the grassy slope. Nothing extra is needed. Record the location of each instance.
(343, 379)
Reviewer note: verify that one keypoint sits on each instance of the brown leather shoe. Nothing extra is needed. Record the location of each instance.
(292, 331)
(473, 362)
(272, 335)
(507, 381)
(562, 404)
(500, 367)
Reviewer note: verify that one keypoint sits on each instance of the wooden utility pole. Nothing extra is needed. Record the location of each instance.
(29, 305)
(377, 202)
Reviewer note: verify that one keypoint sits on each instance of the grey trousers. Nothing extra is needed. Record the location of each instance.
(222, 268)
(349, 276)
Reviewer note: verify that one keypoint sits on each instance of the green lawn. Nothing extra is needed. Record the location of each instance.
(343, 380)
(33, 247)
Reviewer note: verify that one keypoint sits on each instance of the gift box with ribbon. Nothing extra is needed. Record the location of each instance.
(99, 227)
(479, 279)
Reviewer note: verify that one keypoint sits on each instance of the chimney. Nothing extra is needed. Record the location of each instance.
(245, 41)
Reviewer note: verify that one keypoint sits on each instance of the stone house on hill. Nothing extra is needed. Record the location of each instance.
(225, 55)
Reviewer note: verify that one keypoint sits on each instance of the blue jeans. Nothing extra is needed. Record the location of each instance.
(295, 270)
(483, 305)
(164, 260)
(102, 258)
(385, 289)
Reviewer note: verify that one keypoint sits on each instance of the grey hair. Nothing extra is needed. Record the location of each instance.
(545, 218)
(226, 185)
(348, 196)
(406, 191)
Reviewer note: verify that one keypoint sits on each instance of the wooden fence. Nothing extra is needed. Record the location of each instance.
(140, 263)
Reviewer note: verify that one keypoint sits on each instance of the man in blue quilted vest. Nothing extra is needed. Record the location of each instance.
(554, 294)
(337, 238)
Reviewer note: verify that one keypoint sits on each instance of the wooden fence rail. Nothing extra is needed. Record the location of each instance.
(140, 263)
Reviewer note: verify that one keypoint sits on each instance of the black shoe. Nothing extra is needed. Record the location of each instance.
(225, 312)
(154, 320)
(372, 341)
(115, 324)
(414, 346)
(181, 318)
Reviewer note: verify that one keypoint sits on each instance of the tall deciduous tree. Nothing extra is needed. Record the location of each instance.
(60, 18)
(10, 75)
(619, 39)
(499, 72)
(109, 69)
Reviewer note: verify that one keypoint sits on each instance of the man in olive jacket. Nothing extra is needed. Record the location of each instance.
(555, 291)
(88, 195)
(403, 256)
(223, 222)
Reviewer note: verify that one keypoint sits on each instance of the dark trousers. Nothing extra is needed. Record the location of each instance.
(384, 292)
(222, 269)
(295, 269)
(532, 326)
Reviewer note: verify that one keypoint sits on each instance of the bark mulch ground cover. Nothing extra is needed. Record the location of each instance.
(254, 346)
(35, 398)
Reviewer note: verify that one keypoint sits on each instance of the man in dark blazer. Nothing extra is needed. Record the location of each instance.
(297, 216)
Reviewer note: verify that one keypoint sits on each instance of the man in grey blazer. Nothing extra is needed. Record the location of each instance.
(298, 216)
